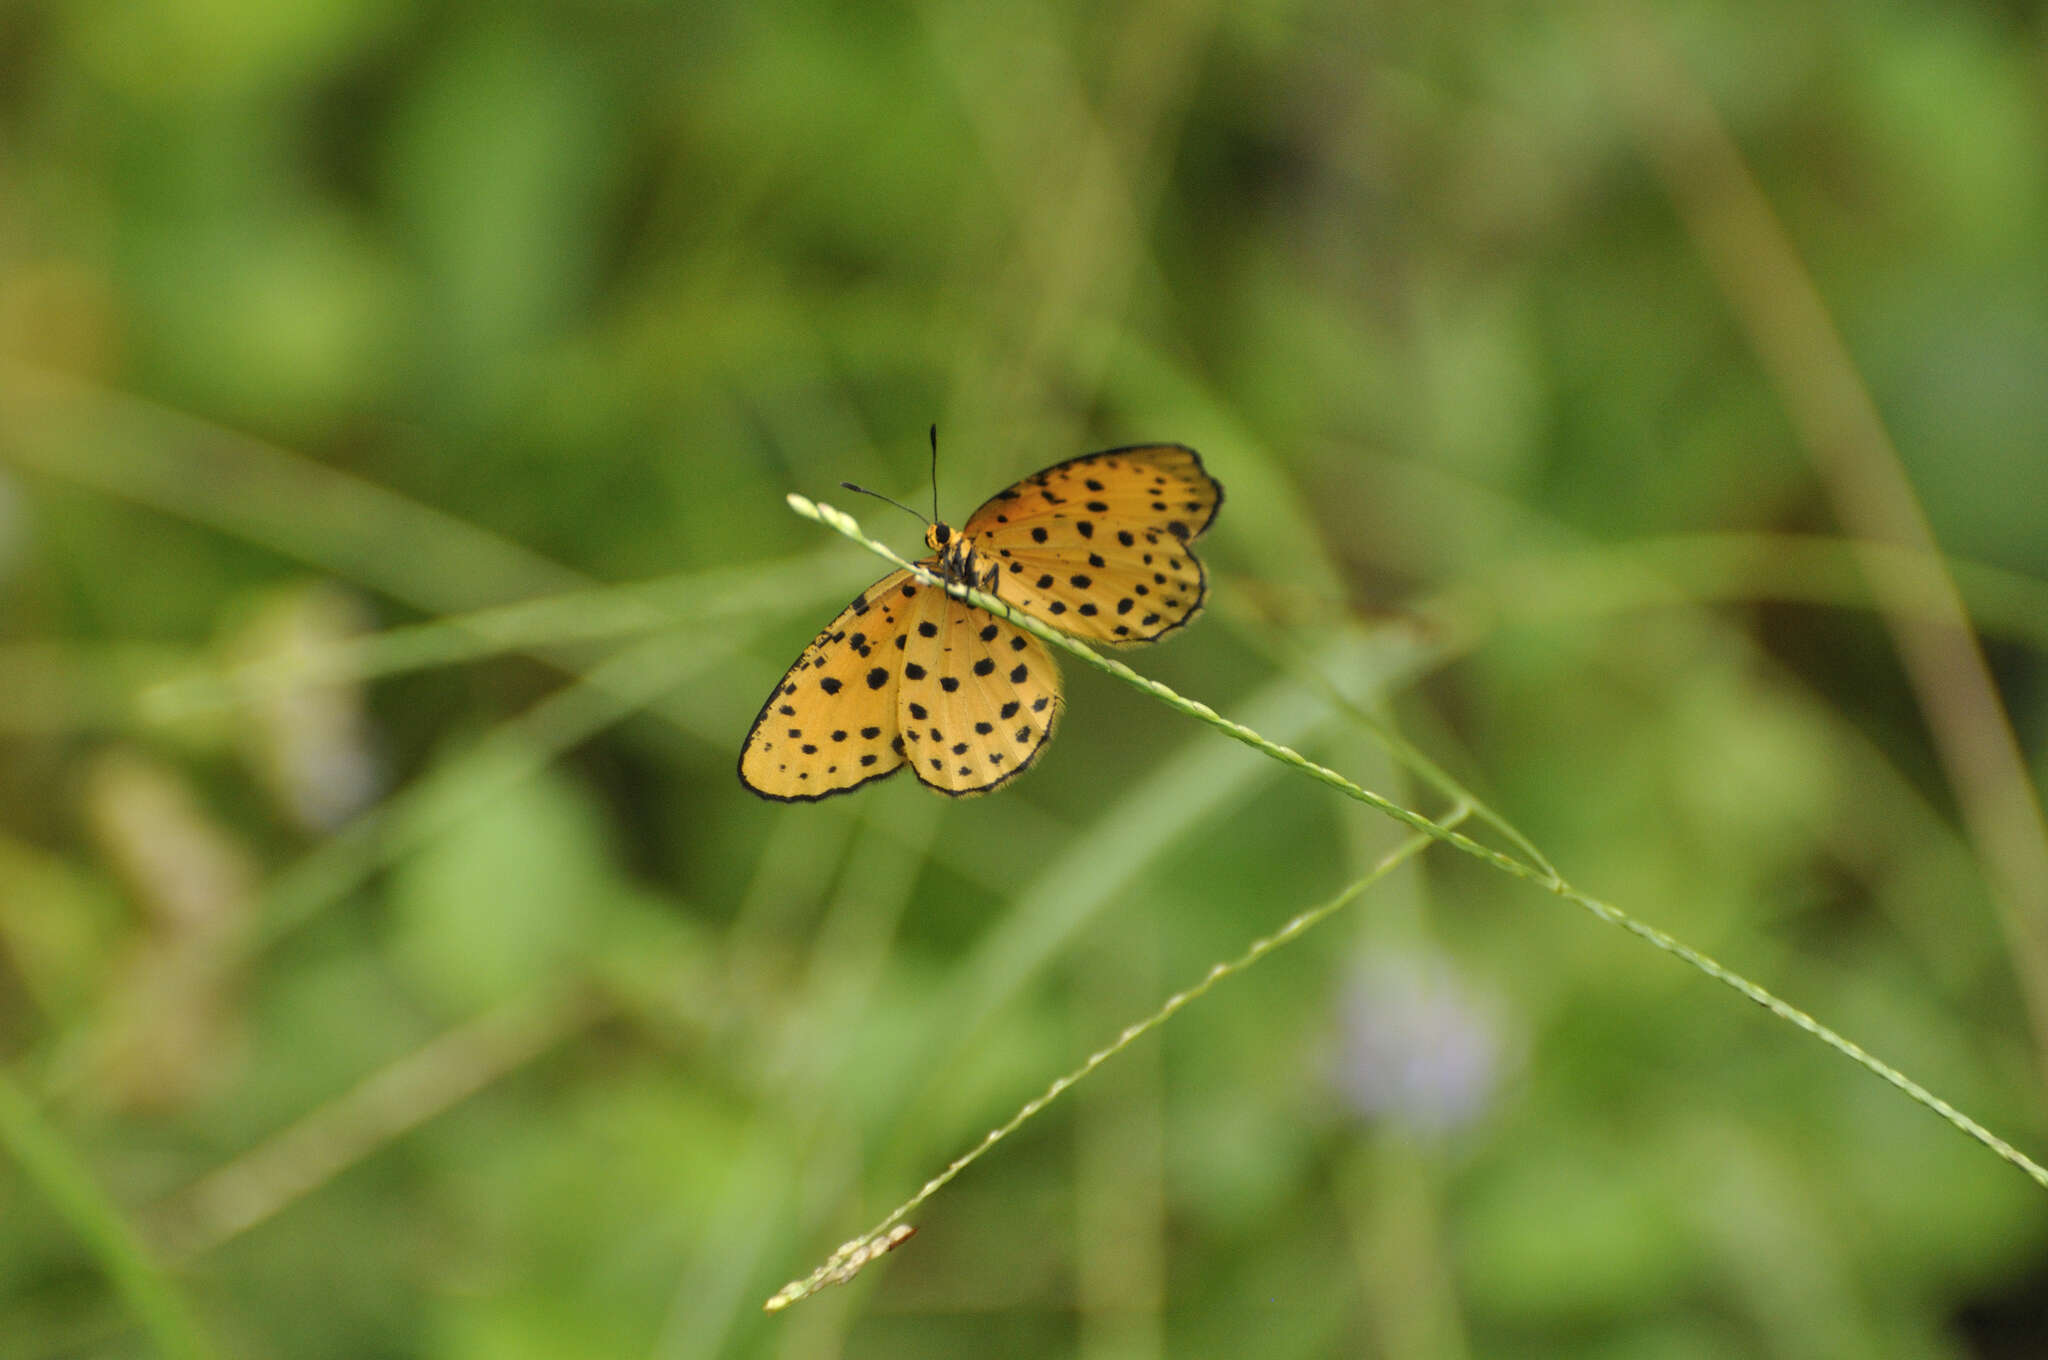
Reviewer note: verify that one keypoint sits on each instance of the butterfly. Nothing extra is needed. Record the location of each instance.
(1096, 546)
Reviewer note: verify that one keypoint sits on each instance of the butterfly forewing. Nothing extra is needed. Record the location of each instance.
(979, 696)
(830, 725)
(1098, 546)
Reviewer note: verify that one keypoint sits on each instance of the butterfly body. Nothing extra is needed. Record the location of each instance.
(1096, 546)
(957, 561)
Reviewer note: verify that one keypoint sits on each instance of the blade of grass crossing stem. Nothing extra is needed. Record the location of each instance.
(853, 1256)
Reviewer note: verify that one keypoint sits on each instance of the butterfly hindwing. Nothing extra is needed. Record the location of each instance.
(1097, 546)
(830, 724)
(979, 696)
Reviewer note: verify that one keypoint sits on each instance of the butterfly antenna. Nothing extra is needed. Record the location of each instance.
(890, 499)
(935, 472)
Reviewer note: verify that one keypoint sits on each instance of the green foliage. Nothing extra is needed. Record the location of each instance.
(397, 405)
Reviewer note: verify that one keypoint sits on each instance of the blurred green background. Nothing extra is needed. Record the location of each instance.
(396, 408)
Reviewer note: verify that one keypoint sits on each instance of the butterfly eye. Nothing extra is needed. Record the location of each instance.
(940, 535)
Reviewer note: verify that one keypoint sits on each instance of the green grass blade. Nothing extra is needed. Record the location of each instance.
(48, 1163)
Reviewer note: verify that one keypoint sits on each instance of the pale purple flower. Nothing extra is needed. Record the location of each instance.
(1417, 1044)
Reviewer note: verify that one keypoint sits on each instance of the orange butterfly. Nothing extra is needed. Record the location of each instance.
(1096, 546)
